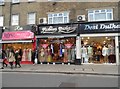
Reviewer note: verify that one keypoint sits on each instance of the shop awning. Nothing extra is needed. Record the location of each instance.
(17, 41)
(56, 36)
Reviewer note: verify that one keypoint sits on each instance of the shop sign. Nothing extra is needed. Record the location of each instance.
(100, 27)
(66, 29)
(17, 35)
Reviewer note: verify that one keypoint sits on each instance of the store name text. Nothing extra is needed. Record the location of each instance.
(102, 26)
(52, 29)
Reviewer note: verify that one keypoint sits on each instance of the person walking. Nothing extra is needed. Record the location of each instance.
(33, 57)
(11, 58)
(20, 53)
(17, 58)
(4, 59)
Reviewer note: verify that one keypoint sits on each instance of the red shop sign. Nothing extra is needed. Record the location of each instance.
(17, 35)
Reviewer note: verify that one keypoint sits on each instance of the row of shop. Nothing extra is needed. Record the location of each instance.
(90, 42)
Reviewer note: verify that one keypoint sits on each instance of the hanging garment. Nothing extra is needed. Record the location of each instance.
(105, 51)
(23, 56)
(90, 51)
(52, 49)
(29, 55)
(61, 50)
(84, 51)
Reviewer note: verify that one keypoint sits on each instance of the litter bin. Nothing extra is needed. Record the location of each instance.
(77, 61)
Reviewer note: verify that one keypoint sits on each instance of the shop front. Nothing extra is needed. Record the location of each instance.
(99, 42)
(57, 43)
(23, 40)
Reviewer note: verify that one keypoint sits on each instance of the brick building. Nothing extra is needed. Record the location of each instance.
(18, 15)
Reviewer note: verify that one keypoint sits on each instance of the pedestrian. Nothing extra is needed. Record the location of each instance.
(20, 53)
(11, 58)
(17, 58)
(33, 56)
(4, 59)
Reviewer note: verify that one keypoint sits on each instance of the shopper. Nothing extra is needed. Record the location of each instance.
(20, 53)
(17, 59)
(33, 56)
(11, 58)
(4, 59)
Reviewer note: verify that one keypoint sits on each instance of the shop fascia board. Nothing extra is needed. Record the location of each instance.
(21, 41)
(56, 36)
(99, 34)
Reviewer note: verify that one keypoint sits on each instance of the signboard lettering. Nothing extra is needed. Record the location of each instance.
(17, 35)
(57, 29)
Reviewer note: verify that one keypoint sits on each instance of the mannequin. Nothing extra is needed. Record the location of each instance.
(90, 53)
(105, 53)
(84, 53)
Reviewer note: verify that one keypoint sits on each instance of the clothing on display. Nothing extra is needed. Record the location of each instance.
(90, 51)
(84, 51)
(84, 54)
(105, 51)
(27, 53)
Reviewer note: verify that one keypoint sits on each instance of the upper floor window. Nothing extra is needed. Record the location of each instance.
(15, 19)
(15, 1)
(55, 18)
(100, 15)
(31, 18)
(2, 2)
(1, 20)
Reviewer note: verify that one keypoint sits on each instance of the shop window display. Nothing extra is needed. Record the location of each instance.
(98, 50)
(57, 50)
(26, 49)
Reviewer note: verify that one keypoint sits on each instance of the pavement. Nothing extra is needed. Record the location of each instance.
(94, 69)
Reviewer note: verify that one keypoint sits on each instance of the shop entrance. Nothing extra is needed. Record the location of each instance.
(98, 50)
(57, 50)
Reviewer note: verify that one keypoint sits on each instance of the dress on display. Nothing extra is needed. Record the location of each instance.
(105, 53)
(23, 56)
(29, 55)
(84, 54)
(49, 55)
(73, 53)
(42, 55)
(90, 51)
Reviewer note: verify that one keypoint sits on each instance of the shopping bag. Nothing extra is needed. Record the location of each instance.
(36, 60)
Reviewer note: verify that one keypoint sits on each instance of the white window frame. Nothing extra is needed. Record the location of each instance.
(1, 20)
(57, 16)
(31, 0)
(93, 12)
(2, 2)
(15, 1)
(31, 19)
(15, 20)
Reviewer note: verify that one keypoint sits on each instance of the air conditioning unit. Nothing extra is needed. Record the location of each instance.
(42, 21)
(81, 18)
